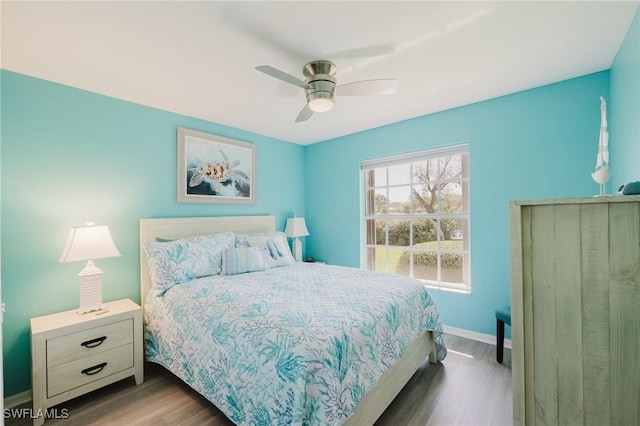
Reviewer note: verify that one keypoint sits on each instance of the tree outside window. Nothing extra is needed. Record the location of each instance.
(417, 217)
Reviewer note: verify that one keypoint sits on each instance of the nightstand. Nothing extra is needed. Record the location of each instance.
(74, 354)
(320, 262)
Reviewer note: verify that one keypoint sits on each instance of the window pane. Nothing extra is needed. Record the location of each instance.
(425, 171)
(399, 200)
(380, 256)
(425, 265)
(396, 256)
(424, 233)
(380, 201)
(400, 260)
(451, 198)
(451, 167)
(399, 232)
(452, 265)
(400, 174)
(452, 233)
(379, 177)
(376, 232)
(422, 200)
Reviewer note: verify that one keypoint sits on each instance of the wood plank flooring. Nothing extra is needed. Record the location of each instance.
(469, 388)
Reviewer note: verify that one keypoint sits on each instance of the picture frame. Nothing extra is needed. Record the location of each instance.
(215, 169)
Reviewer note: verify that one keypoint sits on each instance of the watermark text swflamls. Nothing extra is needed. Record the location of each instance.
(30, 413)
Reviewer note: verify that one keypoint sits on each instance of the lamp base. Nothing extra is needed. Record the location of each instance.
(90, 289)
(297, 250)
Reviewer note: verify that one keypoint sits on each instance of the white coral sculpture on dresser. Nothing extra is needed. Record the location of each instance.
(602, 172)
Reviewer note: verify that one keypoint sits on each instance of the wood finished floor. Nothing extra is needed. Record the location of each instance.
(468, 388)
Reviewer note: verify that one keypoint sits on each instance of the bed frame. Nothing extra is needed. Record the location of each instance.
(378, 398)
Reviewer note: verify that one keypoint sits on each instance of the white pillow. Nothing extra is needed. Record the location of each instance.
(273, 245)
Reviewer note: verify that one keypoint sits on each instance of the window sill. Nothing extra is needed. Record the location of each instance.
(434, 286)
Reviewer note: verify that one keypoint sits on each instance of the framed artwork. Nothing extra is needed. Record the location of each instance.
(215, 169)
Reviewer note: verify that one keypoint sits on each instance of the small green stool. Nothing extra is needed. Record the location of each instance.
(503, 316)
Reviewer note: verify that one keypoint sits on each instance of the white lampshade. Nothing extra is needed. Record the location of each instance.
(88, 243)
(296, 228)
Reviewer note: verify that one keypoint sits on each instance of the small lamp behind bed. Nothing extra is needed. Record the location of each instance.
(88, 243)
(296, 228)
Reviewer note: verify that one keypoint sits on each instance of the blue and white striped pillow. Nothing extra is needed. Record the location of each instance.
(242, 259)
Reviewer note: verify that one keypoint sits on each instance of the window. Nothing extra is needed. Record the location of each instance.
(416, 216)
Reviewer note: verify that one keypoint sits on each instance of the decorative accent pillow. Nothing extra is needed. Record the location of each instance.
(177, 261)
(242, 259)
(274, 246)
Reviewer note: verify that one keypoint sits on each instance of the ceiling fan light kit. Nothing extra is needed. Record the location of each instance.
(321, 104)
(320, 86)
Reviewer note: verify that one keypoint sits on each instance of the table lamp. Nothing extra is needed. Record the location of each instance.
(88, 243)
(296, 228)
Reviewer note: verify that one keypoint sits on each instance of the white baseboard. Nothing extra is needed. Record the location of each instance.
(18, 399)
(473, 335)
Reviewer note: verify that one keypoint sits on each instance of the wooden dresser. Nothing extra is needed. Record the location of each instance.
(575, 295)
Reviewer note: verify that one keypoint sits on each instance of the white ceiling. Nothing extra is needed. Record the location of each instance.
(198, 58)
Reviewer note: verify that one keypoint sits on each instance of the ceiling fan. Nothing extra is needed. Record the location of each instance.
(320, 86)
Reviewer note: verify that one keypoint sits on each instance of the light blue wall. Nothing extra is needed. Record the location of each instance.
(624, 122)
(69, 156)
(541, 143)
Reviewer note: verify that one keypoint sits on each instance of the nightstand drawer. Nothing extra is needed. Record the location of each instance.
(85, 343)
(76, 373)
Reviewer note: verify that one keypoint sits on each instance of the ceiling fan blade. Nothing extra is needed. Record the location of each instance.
(305, 114)
(368, 88)
(281, 75)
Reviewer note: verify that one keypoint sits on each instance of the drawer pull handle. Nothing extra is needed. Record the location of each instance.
(93, 342)
(94, 370)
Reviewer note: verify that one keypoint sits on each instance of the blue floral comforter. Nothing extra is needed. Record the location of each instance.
(295, 345)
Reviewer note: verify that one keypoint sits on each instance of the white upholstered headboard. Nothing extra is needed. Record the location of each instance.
(174, 228)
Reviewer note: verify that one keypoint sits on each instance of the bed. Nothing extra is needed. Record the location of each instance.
(315, 358)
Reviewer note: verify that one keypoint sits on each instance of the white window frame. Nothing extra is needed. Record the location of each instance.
(431, 154)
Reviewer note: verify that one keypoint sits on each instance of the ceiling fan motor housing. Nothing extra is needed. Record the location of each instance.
(321, 83)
